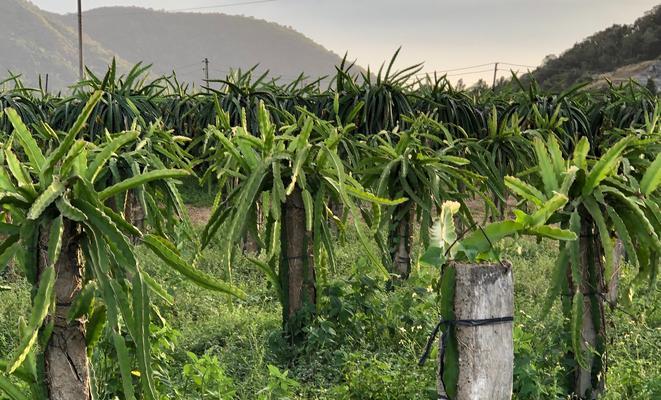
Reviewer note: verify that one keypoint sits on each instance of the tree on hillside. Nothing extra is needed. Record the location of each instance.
(480, 86)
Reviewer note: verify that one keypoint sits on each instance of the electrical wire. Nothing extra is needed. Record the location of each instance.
(519, 65)
(454, 69)
(242, 3)
(443, 71)
(472, 72)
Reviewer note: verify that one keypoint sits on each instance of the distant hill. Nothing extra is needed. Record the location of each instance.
(34, 44)
(40, 42)
(603, 53)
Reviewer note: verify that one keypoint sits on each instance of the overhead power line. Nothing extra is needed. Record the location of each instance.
(520, 65)
(454, 69)
(472, 72)
(444, 71)
(240, 3)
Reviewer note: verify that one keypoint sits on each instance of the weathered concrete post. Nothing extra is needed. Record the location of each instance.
(483, 292)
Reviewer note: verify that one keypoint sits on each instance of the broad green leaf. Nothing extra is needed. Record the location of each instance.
(21, 373)
(308, 203)
(41, 304)
(140, 180)
(55, 240)
(576, 328)
(353, 210)
(9, 229)
(85, 114)
(17, 170)
(5, 181)
(623, 234)
(42, 299)
(477, 242)
(425, 204)
(247, 149)
(605, 166)
(8, 249)
(14, 199)
(301, 157)
(568, 180)
(434, 257)
(69, 163)
(249, 193)
(229, 146)
(639, 218)
(29, 239)
(24, 136)
(522, 217)
(95, 326)
(82, 304)
(79, 164)
(68, 141)
(574, 249)
(106, 152)
(547, 210)
(652, 177)
(546, 170)
(45, 199)
(604, 235)
(157, 288)
(443, 233)
(581, 152)
(122, 224)
(556, 155)
(30, 363)
(69, 211)
(124, 363)
(552, 232)
(141, 311)
(528, 192)
(559, 279)
(266, 129)
(367, 196)
(98, 220)
(160, 247)
(11, 390)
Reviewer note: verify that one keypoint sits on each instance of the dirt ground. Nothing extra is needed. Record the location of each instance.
(200, 215)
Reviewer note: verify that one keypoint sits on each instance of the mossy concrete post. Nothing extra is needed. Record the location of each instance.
(486, 351)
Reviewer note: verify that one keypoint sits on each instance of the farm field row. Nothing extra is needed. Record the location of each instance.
(343, 224)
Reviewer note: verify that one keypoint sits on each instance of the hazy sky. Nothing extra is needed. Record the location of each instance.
(445, 34)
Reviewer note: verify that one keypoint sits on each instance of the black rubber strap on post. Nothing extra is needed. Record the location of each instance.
(444, 337)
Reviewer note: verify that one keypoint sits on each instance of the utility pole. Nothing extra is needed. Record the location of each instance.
(81, 67)
(495, 71)
(206, 72)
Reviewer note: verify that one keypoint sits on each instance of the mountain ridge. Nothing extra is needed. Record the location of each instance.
(603, 54)
(167, 40)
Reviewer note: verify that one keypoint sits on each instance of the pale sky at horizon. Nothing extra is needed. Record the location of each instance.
(445, 34)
